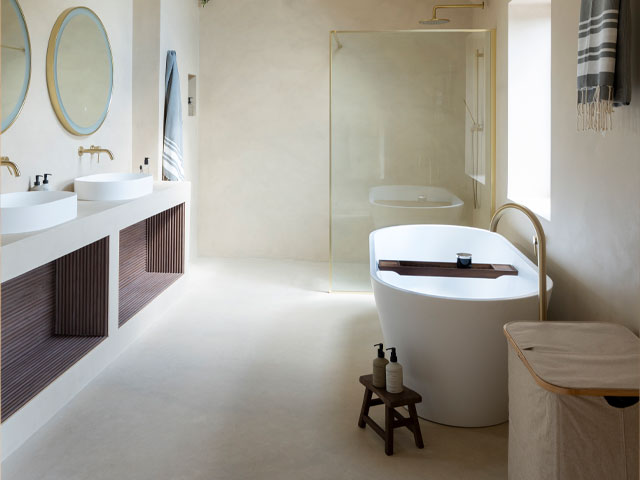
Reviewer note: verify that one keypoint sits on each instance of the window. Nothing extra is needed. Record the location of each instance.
(529, 137)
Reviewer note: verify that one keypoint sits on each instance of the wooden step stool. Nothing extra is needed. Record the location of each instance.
(392, 418)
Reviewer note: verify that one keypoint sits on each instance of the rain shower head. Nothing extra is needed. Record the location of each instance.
(439, 21)
(435, 21)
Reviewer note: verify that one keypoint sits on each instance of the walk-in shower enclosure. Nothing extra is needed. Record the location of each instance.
(412, 137)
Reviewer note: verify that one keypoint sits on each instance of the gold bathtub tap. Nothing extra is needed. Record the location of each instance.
(540, 243)
(94, 149)
(13, 168)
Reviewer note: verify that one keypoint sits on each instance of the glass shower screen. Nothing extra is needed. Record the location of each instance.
(411, 137)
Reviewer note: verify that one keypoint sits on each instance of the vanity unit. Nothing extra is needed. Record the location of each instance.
(83, 272)
(74, 296)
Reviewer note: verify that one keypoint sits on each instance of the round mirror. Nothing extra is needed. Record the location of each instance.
(80, 71)
(16, 62)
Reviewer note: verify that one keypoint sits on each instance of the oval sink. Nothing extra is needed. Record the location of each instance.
(109, 187)
(29, 211)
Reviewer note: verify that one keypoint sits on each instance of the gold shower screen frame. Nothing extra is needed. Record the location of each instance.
(492, 103)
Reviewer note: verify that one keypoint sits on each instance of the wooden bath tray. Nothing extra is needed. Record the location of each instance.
(446, 269)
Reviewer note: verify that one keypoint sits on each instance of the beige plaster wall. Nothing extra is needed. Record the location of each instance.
(160, 26)
(594, 232)
(147, 72)
(264, 143)
(179, 24)
(37, 141)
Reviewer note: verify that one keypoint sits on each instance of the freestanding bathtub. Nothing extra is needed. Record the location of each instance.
(448, 331)
(412, 204)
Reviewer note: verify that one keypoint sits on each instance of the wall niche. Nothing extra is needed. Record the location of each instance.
(52, 316)
(151, 259)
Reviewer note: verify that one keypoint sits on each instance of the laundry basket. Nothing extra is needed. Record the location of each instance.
(573, 401)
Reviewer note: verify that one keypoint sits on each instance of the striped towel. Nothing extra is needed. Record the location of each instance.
(172, 168)
(604, 62)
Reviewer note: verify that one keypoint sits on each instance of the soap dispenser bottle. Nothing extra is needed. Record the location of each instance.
(145, 169)
(394, 373)
(45, 183)
(37, 186)
(379, 365)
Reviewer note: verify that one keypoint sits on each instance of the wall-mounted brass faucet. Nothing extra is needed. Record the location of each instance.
(13, 168)
(94, 149)
(540, 243)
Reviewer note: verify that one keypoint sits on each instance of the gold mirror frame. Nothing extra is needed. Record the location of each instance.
(52, 49)
(27, 50)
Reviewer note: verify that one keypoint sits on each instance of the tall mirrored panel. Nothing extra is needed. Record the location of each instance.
(411, 138)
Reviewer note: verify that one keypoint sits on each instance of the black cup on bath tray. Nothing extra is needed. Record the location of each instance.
(464, 260)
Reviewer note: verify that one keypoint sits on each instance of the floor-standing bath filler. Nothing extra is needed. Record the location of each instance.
(540, 244)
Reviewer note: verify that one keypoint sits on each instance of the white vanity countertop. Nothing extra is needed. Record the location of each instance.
(22, 252)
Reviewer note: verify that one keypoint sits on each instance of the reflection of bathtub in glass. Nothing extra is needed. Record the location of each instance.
(414, 204)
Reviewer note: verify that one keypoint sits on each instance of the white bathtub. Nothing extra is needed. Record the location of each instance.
(413, 204)
(448, 331)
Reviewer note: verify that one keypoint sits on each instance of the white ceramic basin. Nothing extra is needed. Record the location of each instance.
(29, 211)
(108, 187)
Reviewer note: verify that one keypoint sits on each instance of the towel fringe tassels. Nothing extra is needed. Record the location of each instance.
(596, 115)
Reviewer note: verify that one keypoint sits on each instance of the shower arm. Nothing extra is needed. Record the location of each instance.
(469, 5)
(541, 251)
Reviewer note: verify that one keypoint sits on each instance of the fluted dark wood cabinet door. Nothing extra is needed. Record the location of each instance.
(51, 317)
(151, 258)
